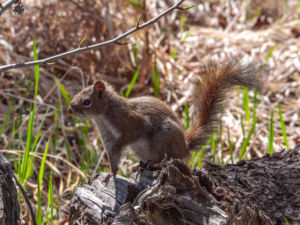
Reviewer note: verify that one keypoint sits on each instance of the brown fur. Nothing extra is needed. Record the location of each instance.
(148, 126)
(209, 92)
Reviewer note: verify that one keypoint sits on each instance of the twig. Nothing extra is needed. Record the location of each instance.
(26, 199)
(6, 5)
(78, 50)
(26, 100)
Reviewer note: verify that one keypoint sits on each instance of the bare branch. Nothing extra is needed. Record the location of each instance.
(6, 5)
(26, 199)
(78, 50)
(119, 43)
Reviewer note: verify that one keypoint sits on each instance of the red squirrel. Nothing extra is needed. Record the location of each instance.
(148, 127)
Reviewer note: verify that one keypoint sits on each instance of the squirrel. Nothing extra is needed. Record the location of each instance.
(148, 126)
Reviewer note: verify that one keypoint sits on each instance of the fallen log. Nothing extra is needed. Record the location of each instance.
(9, 205)
(258, 191)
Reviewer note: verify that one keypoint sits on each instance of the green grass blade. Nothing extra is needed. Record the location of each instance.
(173, 53)
(28, 88)
(287, 222)
(200, 155)
(50, 196)
(27, 147)
(185, 35)
(31, 118)
(182, 22)
(19, 156)
(192, 159)
(122, 173)
(40, 179)
(269, 54)
(255, 103)
(196, 157)
(257, 13)
(283, 127)
(64, 93)
(271, 135)
(246, 104)
(230, 147)
(19, 82)
(135, 52)
(68, 150)
(93, 156)
(247, 139)
(55, 135)
(133, 80)
(243, 129)
(30, 163)
(136, 4)
(213, 146)
(155, 79)
(221, 143)
(186, 117)
(40, 130)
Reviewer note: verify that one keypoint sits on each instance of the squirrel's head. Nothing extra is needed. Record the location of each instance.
(90, 102)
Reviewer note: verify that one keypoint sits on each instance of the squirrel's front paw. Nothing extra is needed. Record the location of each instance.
(107, 177)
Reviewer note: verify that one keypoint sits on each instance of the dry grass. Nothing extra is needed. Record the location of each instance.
(213, 29)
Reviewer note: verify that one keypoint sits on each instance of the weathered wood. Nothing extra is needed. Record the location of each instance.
(168, 196)
(9, 205)
(259, 191)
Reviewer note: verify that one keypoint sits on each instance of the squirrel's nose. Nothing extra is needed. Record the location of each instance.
(70, 109)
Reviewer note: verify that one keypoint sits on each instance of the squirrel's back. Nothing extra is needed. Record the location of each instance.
(151, 106)
(209, 92)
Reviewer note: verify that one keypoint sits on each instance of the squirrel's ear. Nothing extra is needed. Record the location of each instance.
(99, 86)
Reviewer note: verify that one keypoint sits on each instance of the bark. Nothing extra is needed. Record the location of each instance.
(9, 205)
(258, 191)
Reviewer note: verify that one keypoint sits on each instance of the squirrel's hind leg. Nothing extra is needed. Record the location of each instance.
(170, 141)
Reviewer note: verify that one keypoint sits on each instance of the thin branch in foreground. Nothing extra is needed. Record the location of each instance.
(26, 100)
(78, 50)
(26, 199)
(6, 5)
(119, 43)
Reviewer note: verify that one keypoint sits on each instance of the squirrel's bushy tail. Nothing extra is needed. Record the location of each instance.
(209, 92)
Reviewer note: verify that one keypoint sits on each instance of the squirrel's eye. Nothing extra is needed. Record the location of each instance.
(87, 102)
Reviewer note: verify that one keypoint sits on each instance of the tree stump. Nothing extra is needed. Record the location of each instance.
(9, 205)
(258, 191)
